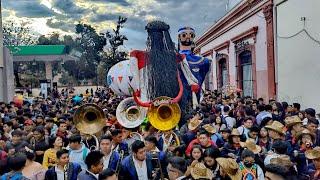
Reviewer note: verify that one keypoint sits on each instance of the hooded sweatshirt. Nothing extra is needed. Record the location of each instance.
(78, 156)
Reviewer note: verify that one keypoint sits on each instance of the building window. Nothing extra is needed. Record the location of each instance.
(223, 73)
(245, 73)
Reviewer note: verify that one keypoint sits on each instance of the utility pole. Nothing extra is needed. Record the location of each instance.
(2, 88)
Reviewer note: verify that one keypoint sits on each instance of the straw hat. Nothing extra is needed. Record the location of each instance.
(292, 120)
(231, 167)
(201, 171)
(235, 132)
(210, 129)
(276, 126)
(282, 160)
(305, 131)
(251, 145)
(194, 123)
(313, 153)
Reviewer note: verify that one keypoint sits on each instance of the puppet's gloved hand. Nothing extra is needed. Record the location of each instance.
(137, 93)
(195, 88)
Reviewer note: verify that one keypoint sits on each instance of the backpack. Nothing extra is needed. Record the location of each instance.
(248, 174)
(223, 120)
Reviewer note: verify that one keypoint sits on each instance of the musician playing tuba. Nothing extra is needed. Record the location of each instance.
(130, 135)
(169, 141)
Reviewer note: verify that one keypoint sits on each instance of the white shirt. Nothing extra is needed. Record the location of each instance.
(60, 173)
(179, 178)
(260, 173)
(141, 171)
(166, 144)
(106, 160)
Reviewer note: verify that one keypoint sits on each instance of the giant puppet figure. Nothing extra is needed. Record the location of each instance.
(157, 74)
(194, 68)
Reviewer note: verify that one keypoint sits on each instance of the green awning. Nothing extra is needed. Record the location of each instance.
(38, 50)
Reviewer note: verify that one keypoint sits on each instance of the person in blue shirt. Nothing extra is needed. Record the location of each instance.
(94, 163)
(16, 163)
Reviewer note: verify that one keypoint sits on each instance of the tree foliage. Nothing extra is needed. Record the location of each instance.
(113, 54)
(16, 34)
(90, 44)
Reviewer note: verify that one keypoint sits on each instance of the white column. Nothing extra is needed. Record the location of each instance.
(48, 70)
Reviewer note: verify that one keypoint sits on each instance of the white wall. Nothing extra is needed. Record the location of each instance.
(261, 50)
(298, 57)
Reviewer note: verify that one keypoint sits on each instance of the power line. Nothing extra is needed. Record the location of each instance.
(303, 30)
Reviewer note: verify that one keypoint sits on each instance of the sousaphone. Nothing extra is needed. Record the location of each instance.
(89, 119)
(129, 114)
(163, 112)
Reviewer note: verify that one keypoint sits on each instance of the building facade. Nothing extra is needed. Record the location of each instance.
(241, 45)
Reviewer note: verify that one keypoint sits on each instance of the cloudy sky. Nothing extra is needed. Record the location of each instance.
(47, 16)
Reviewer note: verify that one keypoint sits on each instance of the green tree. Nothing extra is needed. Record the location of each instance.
(91, 44)
(113, 55)
(16, 34)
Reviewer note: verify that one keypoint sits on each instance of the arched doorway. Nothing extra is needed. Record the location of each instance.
(245, 73)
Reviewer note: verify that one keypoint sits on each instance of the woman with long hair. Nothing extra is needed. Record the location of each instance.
(33, 170)
(50, 157)
(209, 157)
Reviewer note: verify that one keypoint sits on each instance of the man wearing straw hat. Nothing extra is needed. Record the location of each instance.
(229, 168)
(277, 132)
(294, 125)
(314, 168)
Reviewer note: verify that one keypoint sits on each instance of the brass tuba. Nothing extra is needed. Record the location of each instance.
(89, 119)
(164, 115)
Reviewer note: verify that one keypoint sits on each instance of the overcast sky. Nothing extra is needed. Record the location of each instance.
(47, 16)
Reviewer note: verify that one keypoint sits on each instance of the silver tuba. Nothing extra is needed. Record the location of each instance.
(129, 114)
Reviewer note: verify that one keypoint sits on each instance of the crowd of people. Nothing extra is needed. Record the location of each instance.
(224, 138)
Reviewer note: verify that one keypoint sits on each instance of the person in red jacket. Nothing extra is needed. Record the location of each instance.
(203, 139)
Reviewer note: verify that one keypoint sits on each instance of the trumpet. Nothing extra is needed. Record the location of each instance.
(119, 161)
